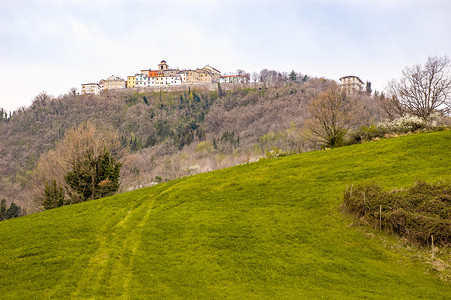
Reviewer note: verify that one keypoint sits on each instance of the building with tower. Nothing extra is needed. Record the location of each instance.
(163, 66)
(165, 76)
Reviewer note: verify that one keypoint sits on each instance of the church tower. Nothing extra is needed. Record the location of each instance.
(162, 66)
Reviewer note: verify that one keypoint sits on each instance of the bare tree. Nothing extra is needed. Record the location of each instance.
(41, 99)
(273, 76)
(72, 92)
(254, 76)
(264, 75)
(423, 90)
(332, 115)
(391, 106)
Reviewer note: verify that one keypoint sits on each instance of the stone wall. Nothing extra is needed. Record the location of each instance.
(193, 86)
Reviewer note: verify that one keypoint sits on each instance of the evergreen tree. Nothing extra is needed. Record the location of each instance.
(220, 92)
(13, 211)
(368, 88)
(107, 177)
(293, 76)
(54, 195)
(3, 210)
(93, 177)
(151, 141)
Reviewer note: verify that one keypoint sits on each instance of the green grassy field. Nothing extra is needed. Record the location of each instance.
(271, 229)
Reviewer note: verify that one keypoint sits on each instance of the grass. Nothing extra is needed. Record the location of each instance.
(271, 229)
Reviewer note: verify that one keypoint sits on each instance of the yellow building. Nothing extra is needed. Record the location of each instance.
(131, 81)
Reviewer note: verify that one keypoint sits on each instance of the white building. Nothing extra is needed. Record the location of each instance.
(91, 88)
(183, 76)
(141, 80)
(168, 80)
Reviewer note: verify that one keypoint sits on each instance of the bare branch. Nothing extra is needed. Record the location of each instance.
(422, 90)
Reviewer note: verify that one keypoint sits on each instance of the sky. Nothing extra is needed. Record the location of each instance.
(55, 45)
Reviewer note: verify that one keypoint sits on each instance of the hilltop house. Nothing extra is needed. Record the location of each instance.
(90, 88)
(351, 84)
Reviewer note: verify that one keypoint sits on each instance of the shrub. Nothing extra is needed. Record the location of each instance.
(405, 124)
(366, 133)
(415, 213)
(274, 153)
(335, 140)
(401, 125)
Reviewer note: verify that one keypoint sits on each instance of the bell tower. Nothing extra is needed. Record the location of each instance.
(163, 66)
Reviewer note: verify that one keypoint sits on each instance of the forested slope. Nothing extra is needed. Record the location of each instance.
(164, 135)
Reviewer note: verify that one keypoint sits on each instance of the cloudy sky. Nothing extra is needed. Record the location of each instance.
(54, 45)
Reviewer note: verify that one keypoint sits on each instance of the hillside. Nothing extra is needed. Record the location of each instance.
(270, 229)
(160, 131)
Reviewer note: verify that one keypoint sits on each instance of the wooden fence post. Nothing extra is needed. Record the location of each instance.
(432, 246)
(380, 217)
(364, 204)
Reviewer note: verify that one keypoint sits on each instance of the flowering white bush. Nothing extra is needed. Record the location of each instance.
(405, 124)
(401, 125)
(275, 152)
(255, 158)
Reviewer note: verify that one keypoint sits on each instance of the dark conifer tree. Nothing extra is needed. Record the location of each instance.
(94, 178)
(13, 211)
(293, 76)
(3, 210)
(54, 195)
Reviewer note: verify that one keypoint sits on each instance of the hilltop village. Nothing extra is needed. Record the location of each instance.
(163, 76)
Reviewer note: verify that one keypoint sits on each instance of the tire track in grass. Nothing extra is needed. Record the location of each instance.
(134, 247)
(112, 237)
(120, 274)
(126, 235)
(74, 281)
